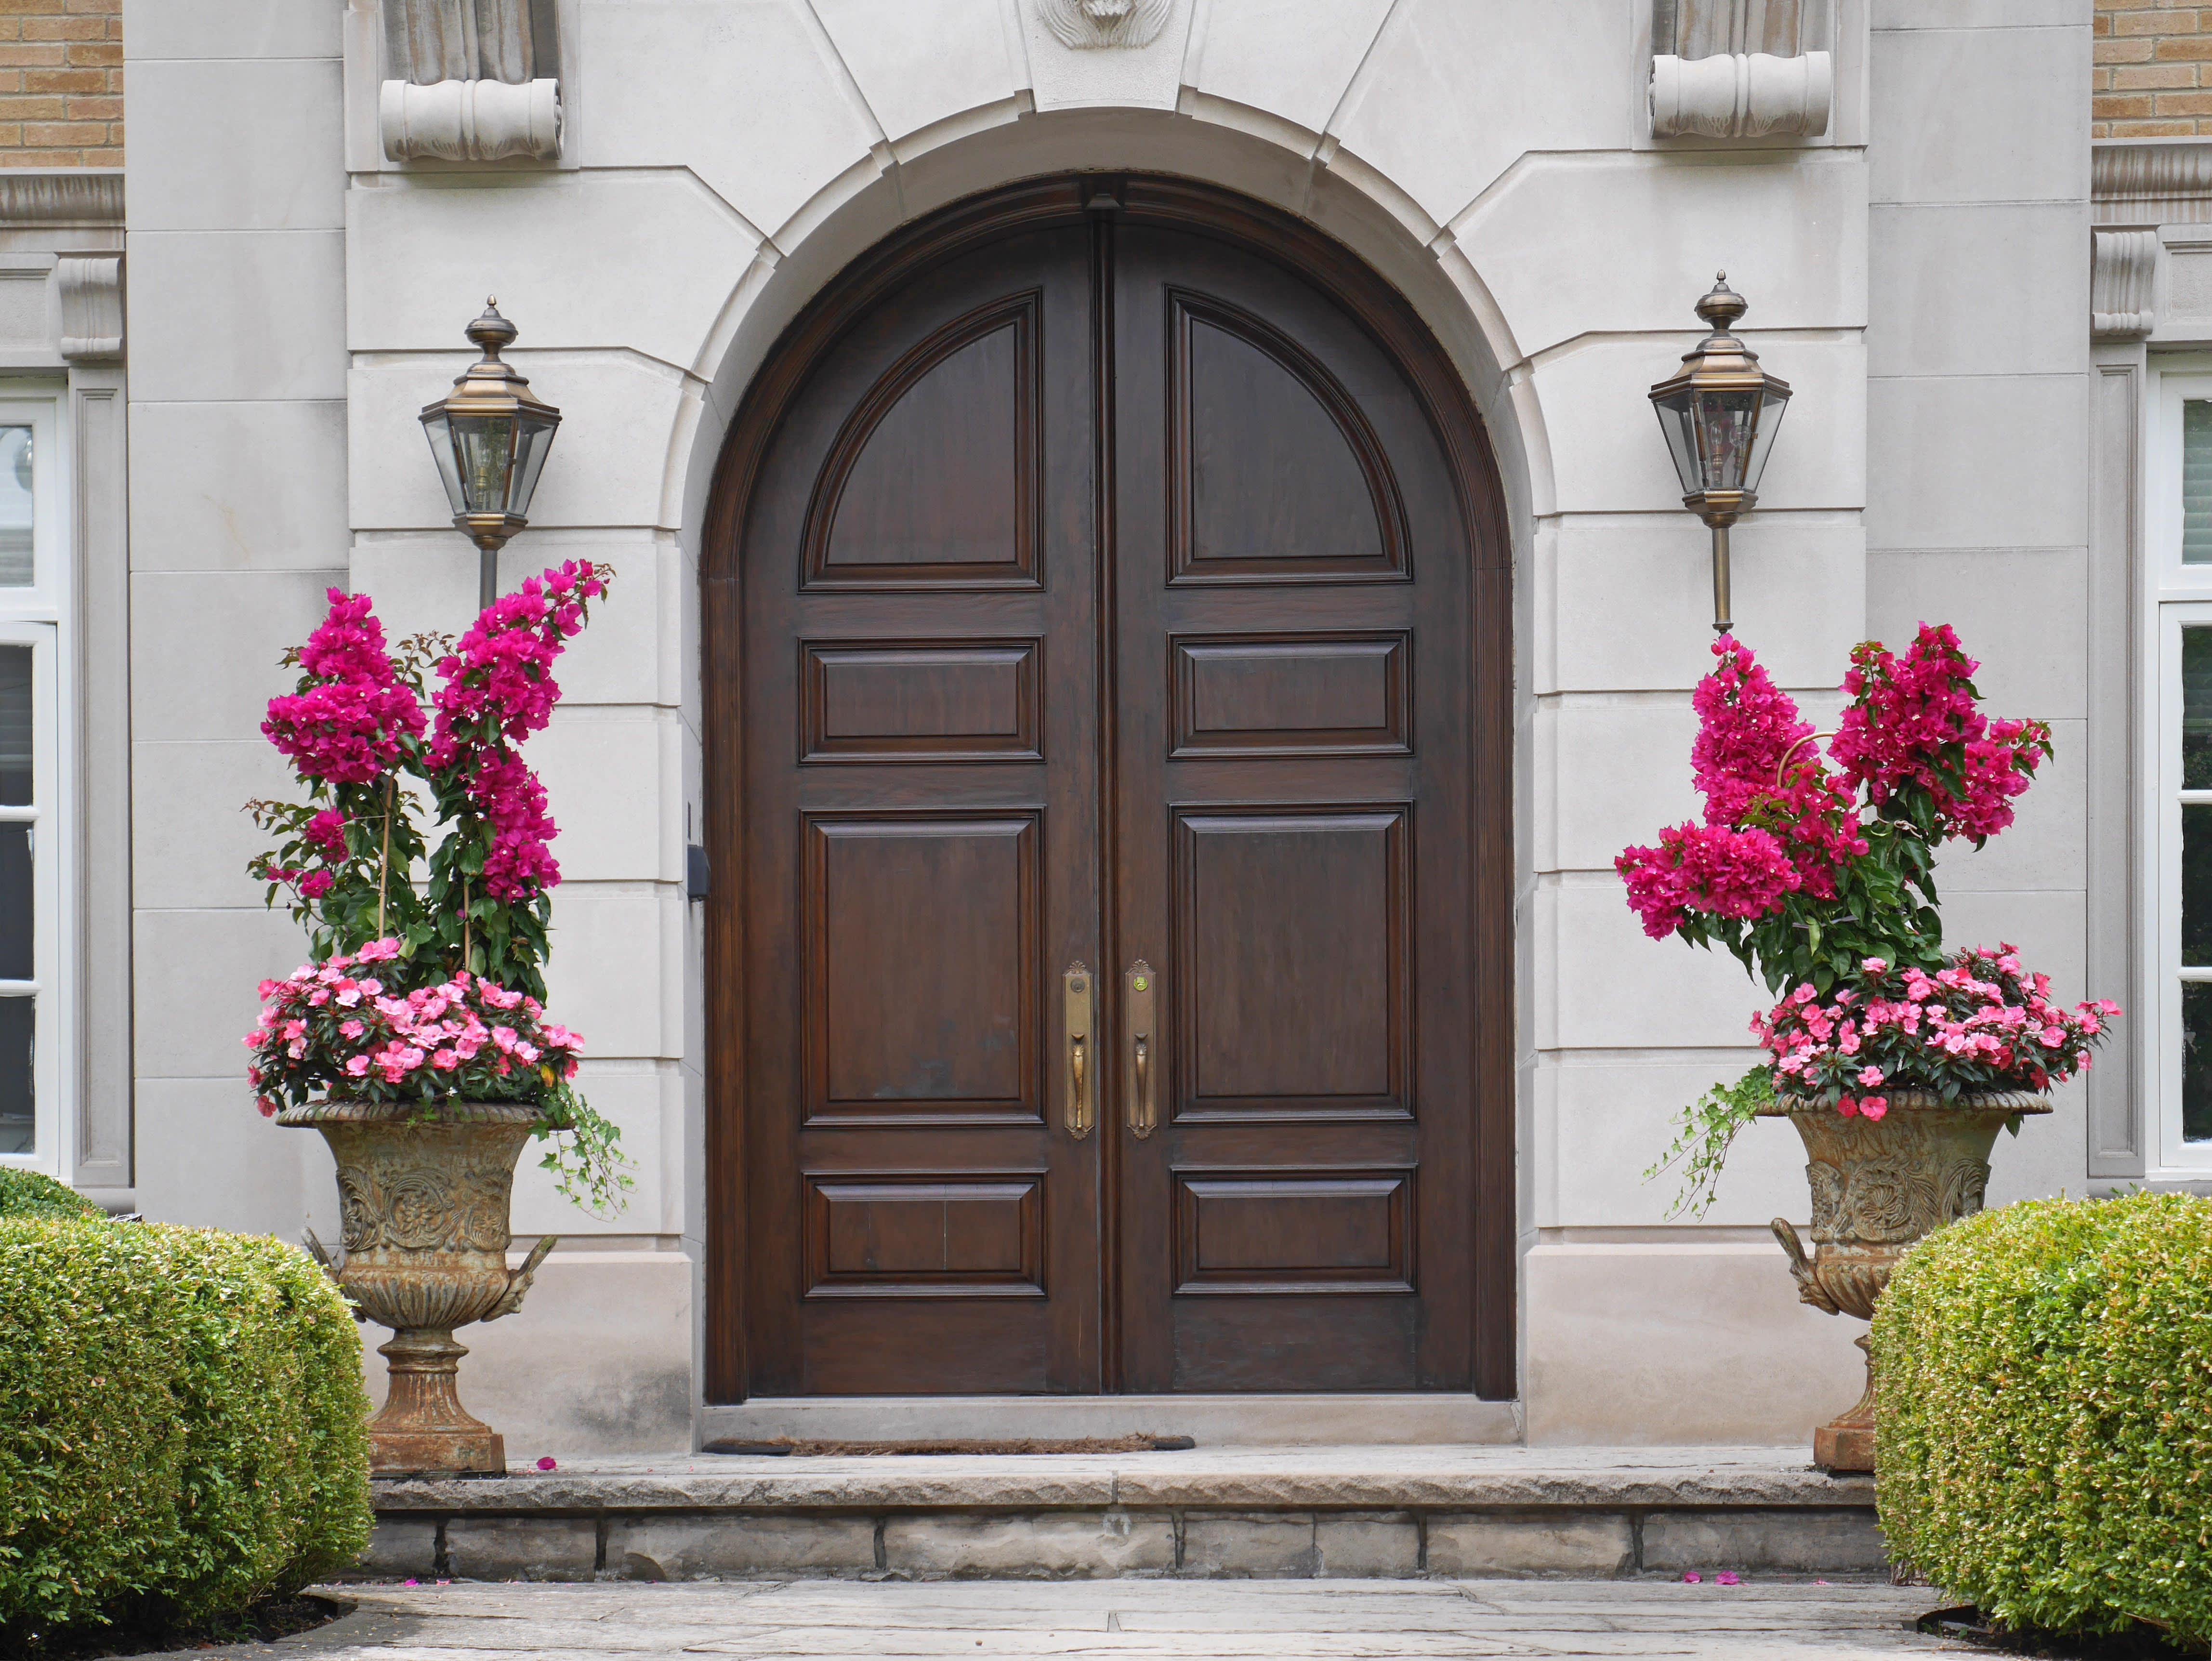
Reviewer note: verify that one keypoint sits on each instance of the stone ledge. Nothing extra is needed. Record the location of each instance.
(1368, 1512)
(1109, 1541)
(1389, 1478)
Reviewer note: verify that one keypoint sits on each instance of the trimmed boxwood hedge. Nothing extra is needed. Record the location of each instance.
(181, 1424)
(33, 1194)
(2044, 1412)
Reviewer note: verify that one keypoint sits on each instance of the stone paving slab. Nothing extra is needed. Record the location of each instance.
(1381, 1477)
(1323, 1620)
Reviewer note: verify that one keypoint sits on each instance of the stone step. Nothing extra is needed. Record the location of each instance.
(1389, 1511)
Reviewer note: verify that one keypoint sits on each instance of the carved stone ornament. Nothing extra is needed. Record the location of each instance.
(2123, 267)
(471, 120)
(1084, 24)
(424, 1204)
(1743, 95)
(1878, 1187)
(92, 306)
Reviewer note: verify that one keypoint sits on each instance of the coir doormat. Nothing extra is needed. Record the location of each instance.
(793, 1445)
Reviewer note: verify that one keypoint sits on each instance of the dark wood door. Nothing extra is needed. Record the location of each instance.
(1107, 589)
(1293, 838)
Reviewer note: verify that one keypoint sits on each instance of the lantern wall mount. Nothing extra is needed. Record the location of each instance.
(490, 437)
(1719, 412)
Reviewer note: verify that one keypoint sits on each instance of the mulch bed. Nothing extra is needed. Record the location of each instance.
(2142, 1642)
(793, 1445)
(266, 1622)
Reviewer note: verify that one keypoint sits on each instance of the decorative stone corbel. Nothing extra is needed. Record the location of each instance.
(2123, 267)
(471, 120)
(1743, 95)
(1084, 24)
(92, 306)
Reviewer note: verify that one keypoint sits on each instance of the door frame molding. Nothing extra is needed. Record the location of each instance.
(1376, 307)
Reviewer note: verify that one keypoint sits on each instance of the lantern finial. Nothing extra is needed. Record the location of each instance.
(1722, 306)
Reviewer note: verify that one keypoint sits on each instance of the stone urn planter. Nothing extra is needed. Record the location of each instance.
(1878, 1186)
(424, 1204)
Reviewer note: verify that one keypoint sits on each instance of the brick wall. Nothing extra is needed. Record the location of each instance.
(2154, 73)
(61, 83)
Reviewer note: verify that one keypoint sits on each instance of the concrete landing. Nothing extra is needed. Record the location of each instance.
(1315, 1620)
(1392, 1510)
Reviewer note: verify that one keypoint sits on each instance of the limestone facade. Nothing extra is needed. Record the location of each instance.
(298, 283)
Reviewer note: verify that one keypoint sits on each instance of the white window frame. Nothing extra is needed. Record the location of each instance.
(2173, 596)
(42, 616)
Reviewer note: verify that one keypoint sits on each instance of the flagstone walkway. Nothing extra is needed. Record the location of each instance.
(1311, 1620)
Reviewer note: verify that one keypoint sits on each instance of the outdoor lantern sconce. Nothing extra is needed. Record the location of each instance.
(490, 437)
(1719, 415)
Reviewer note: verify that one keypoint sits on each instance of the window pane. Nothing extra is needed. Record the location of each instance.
(2196, 1061)
(17, 1125)
(16, 565)
(15, 903)
(15, 725)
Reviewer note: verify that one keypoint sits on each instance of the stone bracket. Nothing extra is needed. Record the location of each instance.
(471, 120)
(91, 287)
(1741, 68)
(2124, 265)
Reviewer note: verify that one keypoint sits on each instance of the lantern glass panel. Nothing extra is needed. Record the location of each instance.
(1726, 422)
(483, 445)
(533, 439)
(438, 429)
(1771, 406)
(1676, 421)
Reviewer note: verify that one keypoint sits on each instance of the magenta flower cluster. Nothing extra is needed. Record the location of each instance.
(1913, 720)
(1978, 1023)
(499, 689)
(339, 1020)
(1776, 820)
(349, 723)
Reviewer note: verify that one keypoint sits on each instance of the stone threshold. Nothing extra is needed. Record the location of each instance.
(1387, 1510)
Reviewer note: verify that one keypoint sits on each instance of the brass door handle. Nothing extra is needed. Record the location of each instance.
(1081, 1113)
(1141, 983)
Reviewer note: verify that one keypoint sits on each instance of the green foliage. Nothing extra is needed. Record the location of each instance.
(33, 1194)
(181, 1424)
(2045, 1413)
(582, 1152)
(1704, 1132)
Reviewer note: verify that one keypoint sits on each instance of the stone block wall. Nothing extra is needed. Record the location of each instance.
(61, 83)
(2153, 71)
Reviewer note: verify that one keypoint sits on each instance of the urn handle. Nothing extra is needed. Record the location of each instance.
(1809, 1290)
(518, 1281)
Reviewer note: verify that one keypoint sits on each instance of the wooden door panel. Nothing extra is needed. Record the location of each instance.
(1291, 694)
(909, 701)
(1288, 974)
(961, 405)
(922, 950)
(1282, 1234)
(908, 1235)
(1277, 474)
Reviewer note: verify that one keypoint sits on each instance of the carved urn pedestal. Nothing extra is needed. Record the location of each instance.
(423, 1197)
(1878, 1186)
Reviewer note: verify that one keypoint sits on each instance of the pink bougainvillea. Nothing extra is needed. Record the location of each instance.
(348, 721)
(1914, 762)
(1914, 719)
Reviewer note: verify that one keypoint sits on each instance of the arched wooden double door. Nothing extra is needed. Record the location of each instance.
(1107, 577)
